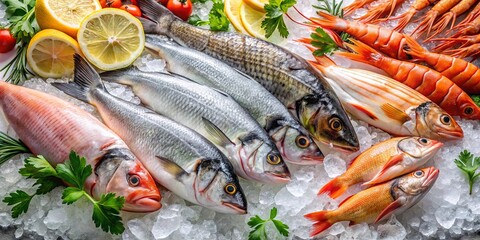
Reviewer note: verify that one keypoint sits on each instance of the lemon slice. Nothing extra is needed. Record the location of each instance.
(232, 10)
(111, 38)
(50, 53)
(252, 20)
(64, 15)
(257, 4)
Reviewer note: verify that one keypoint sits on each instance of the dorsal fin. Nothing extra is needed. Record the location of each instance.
(344, 200)
(219, 137)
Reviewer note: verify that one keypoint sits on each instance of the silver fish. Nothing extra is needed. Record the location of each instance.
(213, 114)
(177, 157)
(287, 76)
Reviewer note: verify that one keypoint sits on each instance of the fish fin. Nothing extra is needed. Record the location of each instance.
(85, 78)
(363, 53)
(394, 160)
(334, 188)
(365, 111)
(219, 137)
(344, 200)
(172, 167)
(389, 210)
(395, 113)
(154, 11)
(321, 220)
(149, 26)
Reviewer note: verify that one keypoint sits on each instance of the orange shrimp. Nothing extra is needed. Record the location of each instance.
(354, 6)
(470, 51)
(428, 19)
(386, 7)
(475, 13)
(471, 28)
(385, 40)
(466, 75)
(406, 17)
(426, 81)
(451, 15)
(463, 41)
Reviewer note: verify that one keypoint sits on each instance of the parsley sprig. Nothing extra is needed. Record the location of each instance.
(217, 19)
(258, 224)
(274, 17)
(74, 172)
(22, 25)
(476, 99)
(469, 165)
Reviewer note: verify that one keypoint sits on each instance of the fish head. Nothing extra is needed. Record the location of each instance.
(263, 161)
(326, 124)
(127, 177)
(296, 145)
(217, 186)
(434, 122)
(419, 148)
(413, 186)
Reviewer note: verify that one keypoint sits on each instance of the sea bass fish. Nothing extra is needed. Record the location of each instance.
(387, 104)
(379, 202)
(177, 157)
(52, 127)
(216, 116)
(287, 76)
(292, 140)
(384, 161)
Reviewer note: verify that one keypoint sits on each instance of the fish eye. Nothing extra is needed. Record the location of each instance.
(468, 110)
(273, 159)
(302, 141)
(445, 119)
(230, 189)
(335, 124)
(419, 173)
(133, 180)
(423, 140)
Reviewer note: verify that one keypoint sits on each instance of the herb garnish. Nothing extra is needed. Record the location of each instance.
(274, 17)
(217, 19)
(258, 225)
(9, 147)
(469, 165)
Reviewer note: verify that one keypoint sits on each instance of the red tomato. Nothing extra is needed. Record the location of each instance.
(181, 8)
(132, 9)
(7, 42)
(163, 2)
(134, 2)
(111, 3)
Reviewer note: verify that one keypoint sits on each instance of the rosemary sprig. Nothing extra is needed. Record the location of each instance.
(9, 147)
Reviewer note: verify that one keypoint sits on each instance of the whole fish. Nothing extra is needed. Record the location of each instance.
(292, 140)
(378, 202)
(387, 104)
(53, 128)
(382, 162)
(287, 76)
(177, 157)
(213, 114)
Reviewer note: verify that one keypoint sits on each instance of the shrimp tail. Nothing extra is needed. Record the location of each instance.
(413, 48)
(335, 188)
(322, 221)
(363, 52)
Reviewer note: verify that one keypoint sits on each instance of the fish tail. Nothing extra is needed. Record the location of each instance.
(322, 221)
(364, 53)
(334, 188)
(85, 78)
(154, 11)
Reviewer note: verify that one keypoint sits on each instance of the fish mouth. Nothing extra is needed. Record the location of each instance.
(453, 135)
(279, 177)
(434, 148)
(149, 203)
(238, 209)
(431, 177)
(322, 144)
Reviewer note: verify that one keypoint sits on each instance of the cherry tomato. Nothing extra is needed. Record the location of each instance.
(111, 3)
(132, 9)
(134, 2)
(181, 8)
(7, 42)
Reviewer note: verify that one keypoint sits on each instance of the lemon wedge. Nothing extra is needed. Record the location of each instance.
(64, 15)
(232, 10)
(50, 53)
(252, 20)
(111, 38)
(257, 4)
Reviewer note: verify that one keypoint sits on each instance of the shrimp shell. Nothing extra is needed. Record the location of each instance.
(470, 51)
(428, 19)
(406, 17)
(451, 15)
(386, 7)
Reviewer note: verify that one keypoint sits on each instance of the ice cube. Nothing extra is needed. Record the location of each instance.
(334, 165)
(445, 216)
(391, 230)
(139, 229)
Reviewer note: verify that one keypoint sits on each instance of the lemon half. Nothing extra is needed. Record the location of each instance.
(50, 53)
(111, 38)
(252, 20)
(232, 10)
(257, 4)
(64, 15)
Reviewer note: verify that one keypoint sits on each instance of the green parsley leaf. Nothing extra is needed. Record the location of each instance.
(37, 167)
(258, 224)
(9, 147)
(71, 195)
(75, 171)
(476, 99)
(199, 1)
(20, 200)
(469, 165)
(323, 42)
(217, 18)
(281, 227)
(47, 184)
(196, 21)
(274, 17)
(106, 213)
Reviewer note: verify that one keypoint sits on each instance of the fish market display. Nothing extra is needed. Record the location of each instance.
(288, 77)
(379, 202)
(383, 162)
(214, 115)
(52, 127)
(388, 104)
(426, 81)
(177, 157)
(291, 139)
